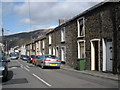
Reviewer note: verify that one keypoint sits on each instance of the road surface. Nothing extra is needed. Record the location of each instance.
(26, 75)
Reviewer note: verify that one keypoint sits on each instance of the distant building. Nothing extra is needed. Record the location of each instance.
(1, 47)
(22, 50)
(62, 21)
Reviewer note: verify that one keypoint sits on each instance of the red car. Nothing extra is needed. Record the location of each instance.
(31, 58)
(35, 59)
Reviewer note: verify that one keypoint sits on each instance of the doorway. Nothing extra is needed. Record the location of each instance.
(95, 55)
(109, 56)
(63, 54)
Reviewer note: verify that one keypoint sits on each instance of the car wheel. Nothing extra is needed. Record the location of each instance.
(58, 67)
(42, 66)
(36, 63)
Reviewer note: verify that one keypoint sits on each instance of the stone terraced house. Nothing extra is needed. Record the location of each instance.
(92, 36)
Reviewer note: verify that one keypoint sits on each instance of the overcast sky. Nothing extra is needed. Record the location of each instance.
(16, 16)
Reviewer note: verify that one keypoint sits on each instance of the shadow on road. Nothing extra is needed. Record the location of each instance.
(52, 68)
(10, 79)
(10, 76)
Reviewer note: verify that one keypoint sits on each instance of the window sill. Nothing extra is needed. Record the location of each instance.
(81, 36)
(63, 41)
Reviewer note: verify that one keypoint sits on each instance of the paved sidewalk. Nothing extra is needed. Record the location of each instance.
(93, 73)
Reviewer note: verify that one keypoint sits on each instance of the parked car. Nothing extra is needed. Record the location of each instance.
(48, 60)
(34, 60)
(21, 56)
(3, 67)
(31, 58)
(14, 56)
(25, 57)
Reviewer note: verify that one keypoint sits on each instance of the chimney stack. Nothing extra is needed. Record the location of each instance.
(61, 21)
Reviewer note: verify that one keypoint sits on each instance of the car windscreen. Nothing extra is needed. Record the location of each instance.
(38, 57)
(26, 56)
(13, 55)
(50, 56)
(32, 56)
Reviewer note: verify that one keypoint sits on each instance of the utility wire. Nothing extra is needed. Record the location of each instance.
(29, 14)
(30, 24)
(1, 21)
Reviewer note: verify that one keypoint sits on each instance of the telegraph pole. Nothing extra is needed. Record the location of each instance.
(2, 36)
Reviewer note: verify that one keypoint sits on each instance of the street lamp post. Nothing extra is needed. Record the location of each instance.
(7, 45)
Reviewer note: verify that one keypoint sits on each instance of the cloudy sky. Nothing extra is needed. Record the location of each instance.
(17, 16)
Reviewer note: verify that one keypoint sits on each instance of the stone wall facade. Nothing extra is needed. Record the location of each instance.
(102, 24)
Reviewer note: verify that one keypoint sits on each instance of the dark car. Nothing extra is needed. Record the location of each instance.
(21, 56)
(25, 57)
(3, 67)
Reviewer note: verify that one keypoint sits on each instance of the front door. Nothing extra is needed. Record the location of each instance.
(109, 55)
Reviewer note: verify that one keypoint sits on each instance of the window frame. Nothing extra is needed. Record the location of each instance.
(78, 25)
(50, 39)
(50, 50)
(64, 53)
(43, 44)
(57, 51)
(54, 51)
(79, 53)
(63, 34)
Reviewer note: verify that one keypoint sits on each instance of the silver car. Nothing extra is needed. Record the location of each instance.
(13, 57)
(49, 61)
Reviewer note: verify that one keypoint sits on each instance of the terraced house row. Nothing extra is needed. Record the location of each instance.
(92, 36)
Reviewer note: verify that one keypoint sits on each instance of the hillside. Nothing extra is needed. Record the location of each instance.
(22, 38)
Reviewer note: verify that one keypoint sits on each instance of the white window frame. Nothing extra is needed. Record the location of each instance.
(54, 51)
(63, 34)
(78, 25)
(50, 38)
(57, 51)
(40, 52)
(81, 41)
(50, 50)
(30, 46)
(39, 42)
(64, 52)
(43, 52)
(43, 44)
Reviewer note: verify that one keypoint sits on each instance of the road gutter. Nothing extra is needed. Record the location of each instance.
(96, 75)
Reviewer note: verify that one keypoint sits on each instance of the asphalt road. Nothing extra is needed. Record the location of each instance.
(25, 75)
